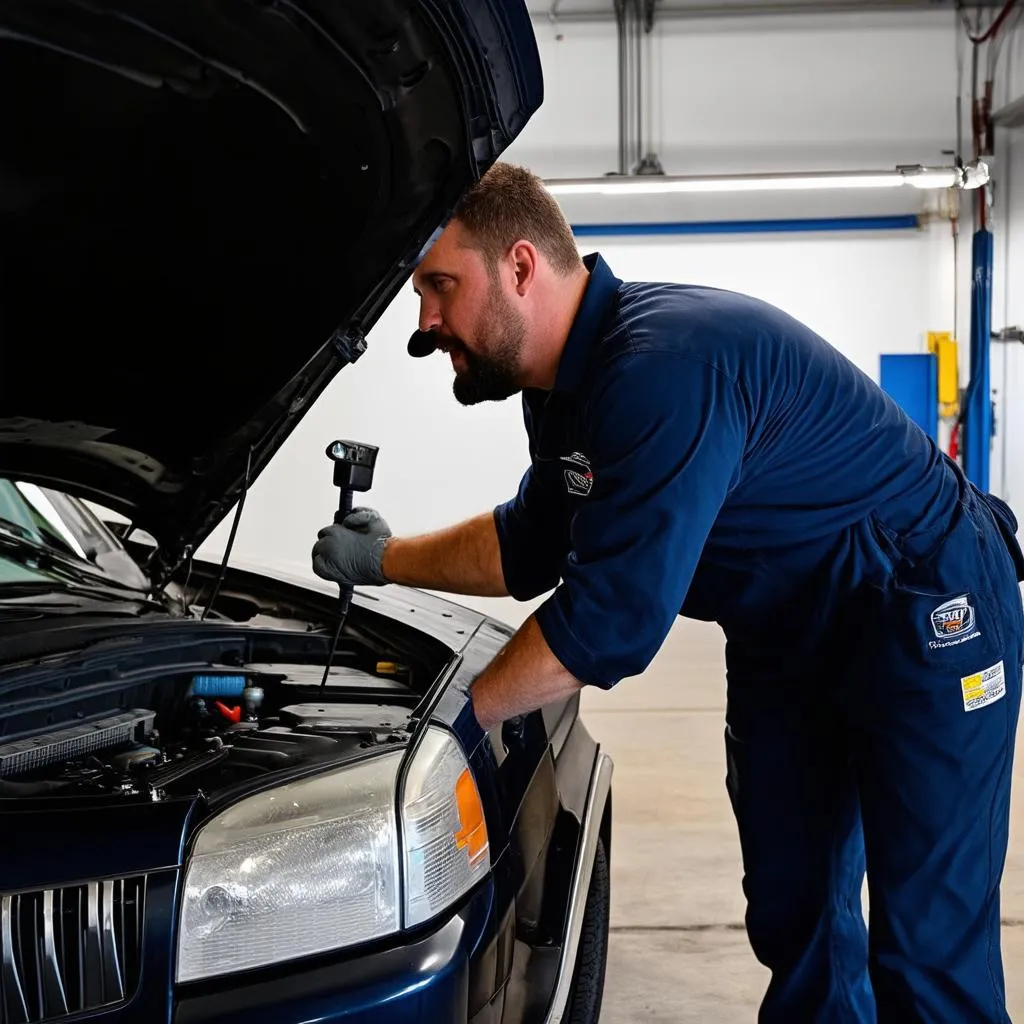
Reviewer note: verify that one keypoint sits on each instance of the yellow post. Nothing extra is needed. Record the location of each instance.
(943, 345)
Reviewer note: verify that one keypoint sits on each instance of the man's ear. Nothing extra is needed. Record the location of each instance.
(525, 261)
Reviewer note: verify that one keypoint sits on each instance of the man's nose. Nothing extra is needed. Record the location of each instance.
(430, 317)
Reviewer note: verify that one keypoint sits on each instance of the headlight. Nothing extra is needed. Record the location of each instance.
(298, 869)
(312, 866)
(446, 848)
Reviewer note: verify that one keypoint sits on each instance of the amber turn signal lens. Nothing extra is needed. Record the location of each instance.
(472, 836)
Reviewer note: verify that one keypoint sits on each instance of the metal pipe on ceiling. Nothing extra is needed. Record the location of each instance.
(638, 45)
(627, 124)
(620, 14)
(634, 20)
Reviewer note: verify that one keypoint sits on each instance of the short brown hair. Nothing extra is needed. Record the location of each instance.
(510, 203)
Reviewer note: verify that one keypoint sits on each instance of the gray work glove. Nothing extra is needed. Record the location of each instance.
(350, 553)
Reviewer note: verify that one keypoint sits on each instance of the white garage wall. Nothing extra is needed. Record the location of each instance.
(789, 93)
(866, 293)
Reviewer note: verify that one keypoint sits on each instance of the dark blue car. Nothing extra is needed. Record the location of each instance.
(205, 207)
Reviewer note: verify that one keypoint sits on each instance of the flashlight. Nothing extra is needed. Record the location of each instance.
(353, 471)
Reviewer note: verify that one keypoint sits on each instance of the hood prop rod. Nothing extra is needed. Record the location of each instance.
(231, 538)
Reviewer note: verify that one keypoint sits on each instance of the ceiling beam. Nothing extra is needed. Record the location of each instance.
(557, 11)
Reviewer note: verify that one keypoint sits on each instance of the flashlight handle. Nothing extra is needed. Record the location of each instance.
(344, 593)
(344, 505)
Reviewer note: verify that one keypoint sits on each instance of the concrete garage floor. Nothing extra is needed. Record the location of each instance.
(678, 949)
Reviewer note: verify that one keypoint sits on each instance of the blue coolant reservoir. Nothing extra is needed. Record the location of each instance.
(217, 686)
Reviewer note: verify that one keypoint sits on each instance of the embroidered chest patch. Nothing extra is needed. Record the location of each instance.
(579, 479)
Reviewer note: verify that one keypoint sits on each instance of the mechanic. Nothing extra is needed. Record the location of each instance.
(697, 452)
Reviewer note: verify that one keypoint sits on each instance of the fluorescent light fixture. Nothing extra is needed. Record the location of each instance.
(657, 184)
(926, 178)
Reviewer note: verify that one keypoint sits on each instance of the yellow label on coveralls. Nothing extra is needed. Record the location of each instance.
(984, 688)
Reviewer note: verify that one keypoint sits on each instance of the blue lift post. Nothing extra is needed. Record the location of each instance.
(912, 381)
(977, 413)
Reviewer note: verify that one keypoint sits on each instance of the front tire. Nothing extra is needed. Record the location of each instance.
(592, 956)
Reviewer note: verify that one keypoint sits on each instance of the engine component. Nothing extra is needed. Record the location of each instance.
(136, 756)
(164, 775)
(233, 714)
(210, 729)
(218, 686)
(252, 700)
(341, 677)
(197, 711)
(279, 746)
(100, 732)
(343, 718)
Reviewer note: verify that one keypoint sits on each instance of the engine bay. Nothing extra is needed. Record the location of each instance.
(180, 706)
(206, 731)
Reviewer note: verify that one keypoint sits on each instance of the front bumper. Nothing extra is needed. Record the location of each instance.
(425, 980)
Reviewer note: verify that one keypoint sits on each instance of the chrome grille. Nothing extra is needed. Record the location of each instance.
(71, 949)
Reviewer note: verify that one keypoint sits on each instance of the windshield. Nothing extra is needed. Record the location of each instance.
(47, 537)
(24, 506)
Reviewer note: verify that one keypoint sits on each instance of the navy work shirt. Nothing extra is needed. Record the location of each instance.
(700, 453)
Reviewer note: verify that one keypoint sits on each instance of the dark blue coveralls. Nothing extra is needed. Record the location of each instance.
(704, 454)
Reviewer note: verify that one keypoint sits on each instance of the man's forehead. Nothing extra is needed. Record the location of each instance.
(446, 252)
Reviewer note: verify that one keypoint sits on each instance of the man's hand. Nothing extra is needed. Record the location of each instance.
(462, 559)
(524, 676)
(351, 553)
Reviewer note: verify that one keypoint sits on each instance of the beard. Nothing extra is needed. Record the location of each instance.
(493, 376)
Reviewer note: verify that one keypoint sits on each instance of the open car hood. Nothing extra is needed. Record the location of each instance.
(205, 205)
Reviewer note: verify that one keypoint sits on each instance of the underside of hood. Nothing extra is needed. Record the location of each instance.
(204, 207)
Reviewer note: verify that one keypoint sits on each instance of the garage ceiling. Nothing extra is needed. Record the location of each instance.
(599, 10)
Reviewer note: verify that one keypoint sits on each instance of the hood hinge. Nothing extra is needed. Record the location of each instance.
(349, 344)
(163, 564)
